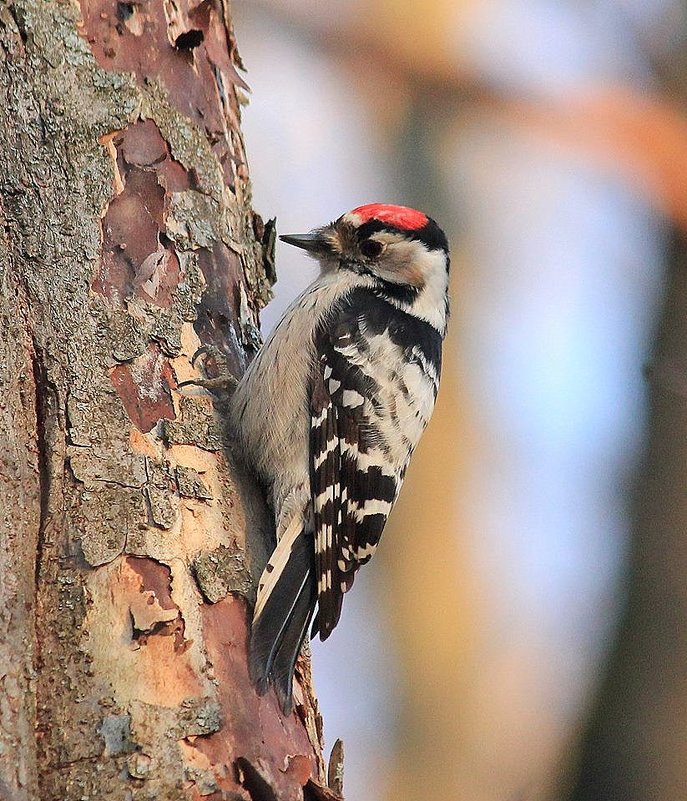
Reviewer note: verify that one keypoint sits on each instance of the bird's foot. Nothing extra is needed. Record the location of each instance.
(223, 381)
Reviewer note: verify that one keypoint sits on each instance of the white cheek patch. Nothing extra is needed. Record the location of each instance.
(412, 264)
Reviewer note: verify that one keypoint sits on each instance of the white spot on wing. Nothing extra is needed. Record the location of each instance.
(365, 552)
(323, 497)
(317, 421)
(372, 507)
(352, 399)
(324, 582)
(330, 447)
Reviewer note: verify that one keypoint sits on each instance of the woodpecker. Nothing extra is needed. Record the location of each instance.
(329, 412)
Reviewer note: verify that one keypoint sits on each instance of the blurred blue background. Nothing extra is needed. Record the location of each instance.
(537, 135)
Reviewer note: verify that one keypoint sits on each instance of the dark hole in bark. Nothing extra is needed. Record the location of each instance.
(124, 11)
(188, 39)
(257, 787)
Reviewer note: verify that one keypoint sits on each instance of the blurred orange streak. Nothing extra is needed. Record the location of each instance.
(417, 36)
(642, 137)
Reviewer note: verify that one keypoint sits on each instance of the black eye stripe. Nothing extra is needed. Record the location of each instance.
(371, 248)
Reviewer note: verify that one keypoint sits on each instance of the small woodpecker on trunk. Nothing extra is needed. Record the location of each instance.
(329, 412)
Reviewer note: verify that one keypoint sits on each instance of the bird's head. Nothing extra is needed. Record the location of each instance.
(403, 250)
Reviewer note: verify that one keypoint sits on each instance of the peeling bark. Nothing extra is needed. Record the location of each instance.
(130, 541)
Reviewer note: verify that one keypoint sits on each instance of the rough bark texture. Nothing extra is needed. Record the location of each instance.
(635, 747)
(128, 241)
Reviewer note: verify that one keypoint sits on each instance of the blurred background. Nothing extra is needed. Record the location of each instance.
(522, 633)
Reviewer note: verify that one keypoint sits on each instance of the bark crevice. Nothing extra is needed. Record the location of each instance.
(51, 449)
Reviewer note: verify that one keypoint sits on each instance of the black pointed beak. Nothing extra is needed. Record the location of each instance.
(311, 242)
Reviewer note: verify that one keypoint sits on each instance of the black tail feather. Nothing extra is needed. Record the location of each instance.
(285, 659)
(278, 633)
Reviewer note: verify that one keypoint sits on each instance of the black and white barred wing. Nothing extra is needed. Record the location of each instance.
(352, 495)
(370, 403)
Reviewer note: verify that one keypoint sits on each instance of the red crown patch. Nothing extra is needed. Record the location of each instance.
(402, 217)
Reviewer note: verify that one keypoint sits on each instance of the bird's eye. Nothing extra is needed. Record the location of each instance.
(371, 248)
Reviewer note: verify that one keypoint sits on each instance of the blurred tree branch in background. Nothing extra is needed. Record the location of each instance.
(635, 747)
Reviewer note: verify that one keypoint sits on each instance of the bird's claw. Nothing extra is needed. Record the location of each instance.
(223, 381)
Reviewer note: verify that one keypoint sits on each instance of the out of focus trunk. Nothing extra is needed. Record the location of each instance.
(635, 747)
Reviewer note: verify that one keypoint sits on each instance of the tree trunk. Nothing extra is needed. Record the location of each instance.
(634, 749)
(130, 543)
